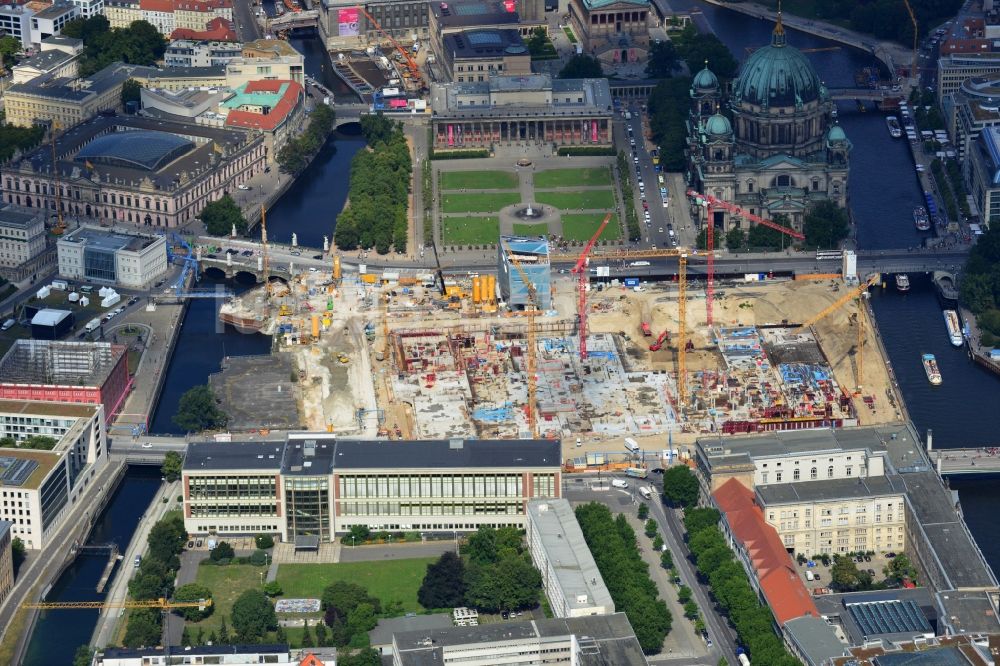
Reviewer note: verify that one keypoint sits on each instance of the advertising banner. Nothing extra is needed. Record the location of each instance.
(593, 131)
(451, 135)
(347, 22)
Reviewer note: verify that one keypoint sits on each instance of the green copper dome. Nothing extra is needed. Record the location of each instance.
(777, 75)
(718, 125)
(705, 80)
(836, 134)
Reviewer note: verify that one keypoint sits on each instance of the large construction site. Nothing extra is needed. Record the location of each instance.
(397, 356)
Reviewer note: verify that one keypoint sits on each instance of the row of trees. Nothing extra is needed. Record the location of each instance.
(886, 19)
(980, 285)
(295, 155)
(41, 442)
(499, 575)
(825, 224)
(138, 44)
(731, 589)
(13, 138)
(378, 196)
(155, 579)
(680, 486)
(613, 544)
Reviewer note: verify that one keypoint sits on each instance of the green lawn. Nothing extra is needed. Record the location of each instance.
(531, 230)
(551, 178)
(227, 584)
(478, 180)
(583, 200)
(470, 230)
(388, 580)
(569, 34)
(582, 227)
(478, 203)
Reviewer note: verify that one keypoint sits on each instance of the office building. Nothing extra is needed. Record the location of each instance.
(266, 60)
(600, 640)
(38, 485)
(50, 21)
(967, 111)
(573, 584)
(476, 55)
(230, 655)
(312, 487)
(190, 53)
(94, 373)
(15, 21)
(197, 105)
(58, 57)
(956, 68)
(451, 18)
(611, 30)
(112, 258)
(22, 235)
(532, 255)
(521, 110)
(984, 174)
(134, 170)
(6, 559)
(271, 108)
(168, 15)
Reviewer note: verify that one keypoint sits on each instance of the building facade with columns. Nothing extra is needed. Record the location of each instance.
(773, 147)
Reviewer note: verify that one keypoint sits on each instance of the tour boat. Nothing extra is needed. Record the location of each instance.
(931, 368)
(921, 219)
(902, 282)
(895, 131)
(954, 325)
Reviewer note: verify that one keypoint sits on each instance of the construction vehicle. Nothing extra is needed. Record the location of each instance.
(160, 603)
(645, 320)
(855, 293)
(710, 202)
(583, 273)
(532, 310)
(411, 64)
(343, 358)
(664, 337)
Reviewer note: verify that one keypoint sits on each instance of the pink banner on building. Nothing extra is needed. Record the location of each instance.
(593, 131)
(451, 135)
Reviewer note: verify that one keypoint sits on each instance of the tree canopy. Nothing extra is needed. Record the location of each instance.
(13, 138)
(253, 616)
(444, 583)
(980, 285)
(698, 49)
(662, 60)
(172, 465)
(349, 608)
(582, 66)
(886, 19)
(138, 44)
(221, 215)
(193, 592)
(488, 545)
(680, 486)
(197, 411)
(143, 628)
(669, 106)
(294, 156)
(512, 583)
(9, 47)
(825, 224)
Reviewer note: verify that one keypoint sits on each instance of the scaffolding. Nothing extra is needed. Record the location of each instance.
(77, 364)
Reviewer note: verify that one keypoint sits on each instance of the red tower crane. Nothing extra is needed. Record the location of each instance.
(411, 64)
(711, 202)
(583, 276)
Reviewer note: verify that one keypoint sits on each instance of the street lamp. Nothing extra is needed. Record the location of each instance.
(353, 545)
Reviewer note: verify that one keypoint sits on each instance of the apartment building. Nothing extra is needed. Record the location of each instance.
(313, 486)
(190, 53)
(38, 485)
(168, 15)
(50, 21)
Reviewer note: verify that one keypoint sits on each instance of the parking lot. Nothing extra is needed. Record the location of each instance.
(821, 578)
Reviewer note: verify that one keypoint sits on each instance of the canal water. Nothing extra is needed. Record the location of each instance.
(58, 633)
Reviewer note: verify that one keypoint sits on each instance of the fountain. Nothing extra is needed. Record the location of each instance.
(530, 213)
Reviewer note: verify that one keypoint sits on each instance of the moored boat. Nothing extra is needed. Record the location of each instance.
(902, 282)
(954, 325)
(895, 131)
(921, 219)
(931, 369)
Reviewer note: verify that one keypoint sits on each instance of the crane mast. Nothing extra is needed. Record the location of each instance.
(532, 362)
(583, 275)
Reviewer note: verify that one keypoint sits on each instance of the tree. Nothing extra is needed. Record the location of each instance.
(366, 657)
(253, 616)
(307, 639)
(18, 553)
(695, 520)
(582, 66)
(193, 592)
(84, 656)
(643, 511)
(222, 551)
(764, 237)
(538, 42)
(825, 224)
(666, 559)
(224, 636)
(444, 583)
(662, 60)
(9, 47)
(339, 600)
(691, 610)
(697, 49)
(488, 545)
(172, 465)
(362, 618)
(680, 486)
(657, 542)
(272, 588)
(684, 594)
(38, 442)
(844, 574)
(131, 91)
(322, 635)
(511, 584)
(264, 541)
(258, 558)
(669, 106)
(185, 637)
(736, 239)
(651, 528)
(197, 410)
(143, 628)
(14, 139)
(167, 538)
(220, 215)
(702, 239)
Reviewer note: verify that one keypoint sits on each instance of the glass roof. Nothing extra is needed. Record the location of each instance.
(147, 150)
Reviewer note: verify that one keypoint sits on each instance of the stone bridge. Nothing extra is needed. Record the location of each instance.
(291, 20)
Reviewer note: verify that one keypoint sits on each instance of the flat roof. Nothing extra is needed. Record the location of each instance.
(816, 638)
(309, 457)
(831, 489)
(54, 11)
(45, 60)
(968, 611)
(569, 97)
(388, 626)
(109, 240)
(567, 554)
(223, 456)
(730, 450)
(467, 13)
(77, 90)
(25, 468)
(239, 649)
(603, 640)
(20, 218)
(40, 408)
(484, 43)
(443, 453)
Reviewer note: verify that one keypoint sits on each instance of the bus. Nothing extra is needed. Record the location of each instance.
(637, 472)
(829, 254)
(645, 492)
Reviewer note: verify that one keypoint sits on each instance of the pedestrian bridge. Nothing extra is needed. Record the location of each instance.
(870, 94)
(291, 20)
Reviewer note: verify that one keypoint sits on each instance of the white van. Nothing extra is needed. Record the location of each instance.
(810, 575)
(7, 325)
(645, 492)
(632, 445)
(618, 483)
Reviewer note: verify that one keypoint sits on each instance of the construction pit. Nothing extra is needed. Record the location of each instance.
(401, 360)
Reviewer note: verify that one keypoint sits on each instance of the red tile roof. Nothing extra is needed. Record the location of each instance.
(310, 660)
(267, 123)
(785, 593)
(216, 30)
(165, 6)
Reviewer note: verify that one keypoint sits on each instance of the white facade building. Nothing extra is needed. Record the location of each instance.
(50, 21)
(22, 235)
(15, 21)
(112, 258)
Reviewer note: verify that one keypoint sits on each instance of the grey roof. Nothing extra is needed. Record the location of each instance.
(815, 638)
(47, 60)
(435, 454)
(219, 456)
(61, 39)
(141, 149)
(569, 97)
(310, 456)
(78, 90)
(21, 218)
(603, 640)
(730, 450)
(484, 43)
(891, 616)
(108, 240)
(125, 653)
(967, 612)
(386, 627)
(554, 525)
(831, 489)
(208, 72)
(55, 11)
(468, 13)
(938, 656)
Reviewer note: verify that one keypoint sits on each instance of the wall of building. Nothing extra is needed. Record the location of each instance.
(840, 526)
(6, 562)
(819, 466)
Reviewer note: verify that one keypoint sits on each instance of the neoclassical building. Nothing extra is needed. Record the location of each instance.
(778, 148)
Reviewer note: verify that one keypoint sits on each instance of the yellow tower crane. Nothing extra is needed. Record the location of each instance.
(855, 293)
(160, 603)
(914, 74)
(532, 363)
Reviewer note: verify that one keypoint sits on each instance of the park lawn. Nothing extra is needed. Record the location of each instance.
(569, 34)
(582, 226)
(531, 230)
(453, 202)
(387, 580)
(227, 584)
(582, 200)
(551, 178)
(470, 230)
(478, 180)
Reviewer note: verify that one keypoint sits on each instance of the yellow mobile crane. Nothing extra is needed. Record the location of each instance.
(532, 365)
